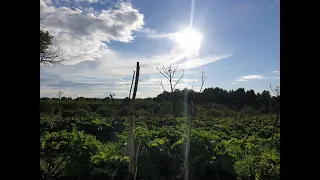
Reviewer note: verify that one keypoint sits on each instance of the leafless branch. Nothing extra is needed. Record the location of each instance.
(169, 73)
(275, 90)
(160, 82)
(164, 72)
(203, 79)
(59, 94)
(52, 56)
(179, 78)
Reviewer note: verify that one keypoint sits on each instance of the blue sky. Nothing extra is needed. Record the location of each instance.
(103, 40)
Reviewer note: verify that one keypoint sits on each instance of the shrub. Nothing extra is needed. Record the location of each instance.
(103, 111)
(67, 113)
(124, 111)
(57, 110)
(81, 113)
(215, 113)
(167, 108)
(140, 112)
(86, 107)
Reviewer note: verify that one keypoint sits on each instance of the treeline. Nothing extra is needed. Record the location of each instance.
(234, 100)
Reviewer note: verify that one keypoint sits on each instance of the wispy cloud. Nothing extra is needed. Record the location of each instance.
(278, 73)
(95, 70)
(248, 78)
(113, 72)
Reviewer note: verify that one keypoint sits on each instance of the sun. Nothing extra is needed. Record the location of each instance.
(188, 41)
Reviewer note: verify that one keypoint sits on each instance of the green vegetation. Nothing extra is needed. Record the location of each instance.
(86, 138)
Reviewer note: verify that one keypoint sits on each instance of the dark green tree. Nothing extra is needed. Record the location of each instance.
(180, 108)
(167, 108)
(49, 54)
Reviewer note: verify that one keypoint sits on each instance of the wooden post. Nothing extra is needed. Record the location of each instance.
(131, 128)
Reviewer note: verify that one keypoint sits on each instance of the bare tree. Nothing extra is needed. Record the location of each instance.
(203, 79)
(276, 92)
(192, 117)
(169, 73)
(59, 94)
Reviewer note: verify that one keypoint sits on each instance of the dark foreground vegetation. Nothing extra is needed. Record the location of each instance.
(233, 136)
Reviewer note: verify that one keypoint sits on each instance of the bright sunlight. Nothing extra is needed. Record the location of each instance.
(189, 41)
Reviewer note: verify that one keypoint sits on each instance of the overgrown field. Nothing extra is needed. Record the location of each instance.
(225, 144)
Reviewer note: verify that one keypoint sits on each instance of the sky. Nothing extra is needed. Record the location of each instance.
(235, 42)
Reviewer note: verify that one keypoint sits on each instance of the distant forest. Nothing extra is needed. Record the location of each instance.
(233, 100)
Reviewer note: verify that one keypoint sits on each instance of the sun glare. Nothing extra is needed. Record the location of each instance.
(189, 41)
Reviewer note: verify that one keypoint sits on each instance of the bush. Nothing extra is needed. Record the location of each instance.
(264, 166)
(140, 112)
(103, 111)
(45, 106)
(67, 113)
(124, 111)
(86, 107)
(57, 110)
(167, 108)
(215, 113)
(81, 113)
(180, 108)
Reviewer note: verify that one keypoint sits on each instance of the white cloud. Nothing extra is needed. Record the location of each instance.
(82, 34)
(94, 69)
(198, 62)
(114, 71)
(278, 73)
(89, 1)
(249, 77)
(189, 80)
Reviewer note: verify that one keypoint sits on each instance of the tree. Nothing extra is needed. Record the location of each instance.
(180, 108)
(167, 108)
(203, 78)
(169, 73)
(49, 54)
(189, 125)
